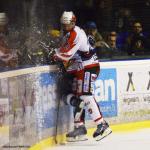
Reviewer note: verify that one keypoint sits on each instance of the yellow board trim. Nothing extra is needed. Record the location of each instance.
(47, 143)
(4, 129)
(123, 128)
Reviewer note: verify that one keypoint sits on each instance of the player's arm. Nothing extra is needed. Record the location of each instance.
(67, 51)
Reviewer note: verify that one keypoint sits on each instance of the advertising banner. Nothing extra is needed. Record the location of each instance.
(134, 89)
(31, 108)
(27, 107)
(51, 112)
(106, 92)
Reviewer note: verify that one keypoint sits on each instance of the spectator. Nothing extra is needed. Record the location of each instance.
(123, 20)
(112, 41)
(55, 36)
(137, 42)
(92, 32)
(7, 58)
(110, 47)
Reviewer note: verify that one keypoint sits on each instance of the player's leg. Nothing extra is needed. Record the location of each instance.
(93, 108)
(102, 126)
(79, 132)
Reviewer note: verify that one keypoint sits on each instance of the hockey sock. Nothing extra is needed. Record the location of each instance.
(93, 108)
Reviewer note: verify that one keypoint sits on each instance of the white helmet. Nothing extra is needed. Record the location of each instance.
(3, 19)
(67, 17)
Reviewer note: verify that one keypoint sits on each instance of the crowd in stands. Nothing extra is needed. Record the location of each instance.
(133, 43)
(126, 38)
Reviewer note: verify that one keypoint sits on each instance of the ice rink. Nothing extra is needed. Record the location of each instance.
(135, 140)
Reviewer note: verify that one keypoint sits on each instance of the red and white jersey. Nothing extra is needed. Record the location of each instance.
(75, 42)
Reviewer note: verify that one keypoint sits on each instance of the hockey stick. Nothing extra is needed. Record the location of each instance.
(50, 52)
(57, 120)
(49, 49)
(59, 96)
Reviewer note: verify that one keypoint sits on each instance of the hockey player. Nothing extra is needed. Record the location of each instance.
(80, 61)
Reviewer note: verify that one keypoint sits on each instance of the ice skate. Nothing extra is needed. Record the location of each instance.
(102, 131)
(78, 134)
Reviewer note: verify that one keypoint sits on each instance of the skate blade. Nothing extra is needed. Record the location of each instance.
(77, 138)
(106, 133)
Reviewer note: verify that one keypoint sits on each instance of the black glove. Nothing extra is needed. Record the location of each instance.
(91, 40)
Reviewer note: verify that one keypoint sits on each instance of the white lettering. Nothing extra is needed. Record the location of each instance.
(105, 90)
(109, 89)
(48, 96)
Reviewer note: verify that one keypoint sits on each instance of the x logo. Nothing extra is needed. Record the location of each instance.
(130, 82)
(148, 87)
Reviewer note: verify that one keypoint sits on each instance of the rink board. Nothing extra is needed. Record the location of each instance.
(122, 90)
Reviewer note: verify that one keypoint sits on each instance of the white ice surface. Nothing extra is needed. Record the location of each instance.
(137, 140)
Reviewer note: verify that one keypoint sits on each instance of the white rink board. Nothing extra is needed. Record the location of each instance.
(133, 85)
(19, 72)
(124, 84)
